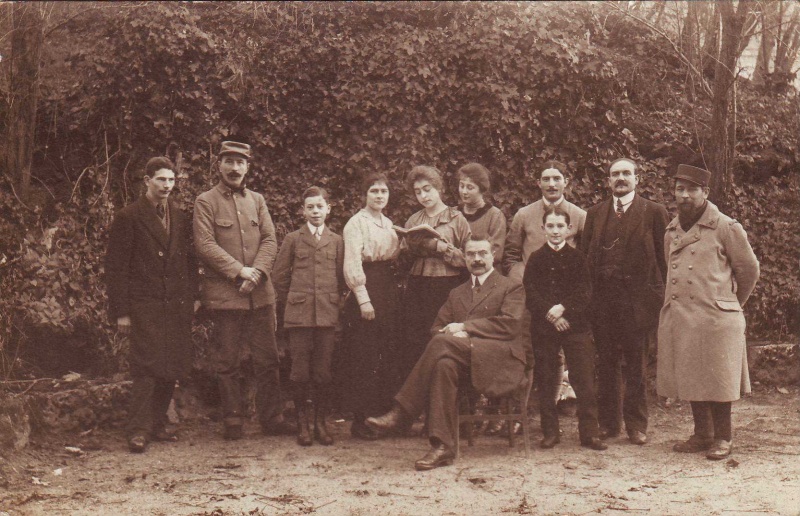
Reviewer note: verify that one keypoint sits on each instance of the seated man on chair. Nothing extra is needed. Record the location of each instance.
(475, 334)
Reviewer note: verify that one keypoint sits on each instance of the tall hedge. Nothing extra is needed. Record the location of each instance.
(325, 92)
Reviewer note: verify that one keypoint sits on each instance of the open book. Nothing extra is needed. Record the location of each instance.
(422, 229)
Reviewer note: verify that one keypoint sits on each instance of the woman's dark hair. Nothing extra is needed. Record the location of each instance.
(371, 178)
(478, 174)
(425, 172)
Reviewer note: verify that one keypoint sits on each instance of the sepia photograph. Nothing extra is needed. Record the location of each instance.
(400, 258)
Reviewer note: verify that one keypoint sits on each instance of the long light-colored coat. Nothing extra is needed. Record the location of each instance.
(711, 271)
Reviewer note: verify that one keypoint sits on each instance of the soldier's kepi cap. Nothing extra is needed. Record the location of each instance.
(692, 174)
(242, 149)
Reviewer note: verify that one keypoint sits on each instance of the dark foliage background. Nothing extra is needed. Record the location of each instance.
(326, 92)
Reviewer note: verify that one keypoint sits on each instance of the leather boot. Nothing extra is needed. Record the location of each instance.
(320, 430)
(303, 414)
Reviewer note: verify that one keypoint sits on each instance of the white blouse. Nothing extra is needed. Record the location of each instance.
(366, 240)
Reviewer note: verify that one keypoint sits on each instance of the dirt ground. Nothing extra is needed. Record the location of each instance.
(204, 475)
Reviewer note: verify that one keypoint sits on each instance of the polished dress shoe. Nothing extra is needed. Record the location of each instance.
(361, 431)
(281, 427)
(437, 456)
(719, 450)
(637, 437)
(165, 434)
(595, 443)
(549, 441)
(232, 432)
(694, 444)
(605, 433)
(389, 421)
(137, 443)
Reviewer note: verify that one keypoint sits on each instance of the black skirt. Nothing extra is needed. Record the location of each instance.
(366, 354)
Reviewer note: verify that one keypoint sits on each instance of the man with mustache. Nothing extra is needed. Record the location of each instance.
(235, 240)
(475, 335)
(712, 271)
(527, 235)
(623, 241)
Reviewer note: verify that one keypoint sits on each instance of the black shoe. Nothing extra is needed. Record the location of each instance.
(594, 443)
(279, 428)
(436, 457)
(389, 421)
(605, 433)
(549, 441)
(694, 444)
(232, 432)
(137, 443)
(165, 434)
(637, 437)
(361, 431)
(320, 429)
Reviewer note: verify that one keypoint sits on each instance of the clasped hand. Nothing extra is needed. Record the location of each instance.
(456, 329)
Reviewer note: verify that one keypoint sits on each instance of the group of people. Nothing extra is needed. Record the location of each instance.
(481, 305)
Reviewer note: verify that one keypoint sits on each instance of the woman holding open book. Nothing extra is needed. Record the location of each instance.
(370, 314)
(438, 263)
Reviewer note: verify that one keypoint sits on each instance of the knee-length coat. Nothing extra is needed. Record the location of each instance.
(151, 276)
(711, 271)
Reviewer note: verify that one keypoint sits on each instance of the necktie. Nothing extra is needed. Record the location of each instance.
(477, 284)
(620, 209)
(318, 234)
(160, 211)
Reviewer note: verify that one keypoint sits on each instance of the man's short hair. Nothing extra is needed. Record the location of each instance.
(476, 237)
(155, 164)
(629, 160)
(556, 210)
(556, 165)
(314, 191)
(425, 172)
(478, 174)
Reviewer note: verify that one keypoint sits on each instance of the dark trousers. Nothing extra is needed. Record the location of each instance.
(579, 352)
(433, 385)
(312, 352)
(712, 419)
(147, 410)
(617, 337)
(234, 331)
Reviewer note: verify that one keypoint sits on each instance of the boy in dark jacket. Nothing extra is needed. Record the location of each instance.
(557, 294)
(309, 279)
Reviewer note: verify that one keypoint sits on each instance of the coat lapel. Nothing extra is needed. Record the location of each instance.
(681, 239)
(325, 239)
(600, 228)
(148, 216)
(174, 228)
(635, 214)
(479, 295)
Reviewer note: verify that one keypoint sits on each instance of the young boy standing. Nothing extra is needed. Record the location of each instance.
(308, 278)
(557, 294)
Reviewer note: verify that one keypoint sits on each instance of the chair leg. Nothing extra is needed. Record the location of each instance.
(458, 435)
(526, 437)
(510, 423)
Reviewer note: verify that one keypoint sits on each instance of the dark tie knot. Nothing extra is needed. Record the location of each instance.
(477, 283)
(160, 211)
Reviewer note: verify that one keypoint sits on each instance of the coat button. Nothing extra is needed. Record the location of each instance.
(692, 251)
(160, 253)
(691, 267)
(674, 266)
(675, 281)
(674, 296)
(690, 282)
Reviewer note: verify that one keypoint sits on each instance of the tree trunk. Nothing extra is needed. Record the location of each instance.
(723, 137)
(27, 24)
(769, 25)
(690, 36)
(787, 44)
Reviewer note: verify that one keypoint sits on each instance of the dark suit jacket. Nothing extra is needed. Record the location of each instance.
(308, 278)
(152, 278)
(492, 318)
(644, 267)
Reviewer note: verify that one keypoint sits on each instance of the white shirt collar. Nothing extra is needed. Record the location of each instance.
(557, 247)
(314, 229)
(482, 277)
(626, 199)
(558, 202)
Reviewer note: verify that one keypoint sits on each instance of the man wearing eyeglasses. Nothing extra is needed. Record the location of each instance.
(476, 334)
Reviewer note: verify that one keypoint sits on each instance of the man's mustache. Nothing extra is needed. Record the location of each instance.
(621, 182)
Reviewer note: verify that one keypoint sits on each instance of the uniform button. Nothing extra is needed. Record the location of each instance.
(674, 266)
(691, 267)
(674, 296)
(691, 297)
(675, 281)
(239, 212)
(690, 282)
(242, 231)
(692, 251)
(160, 253)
